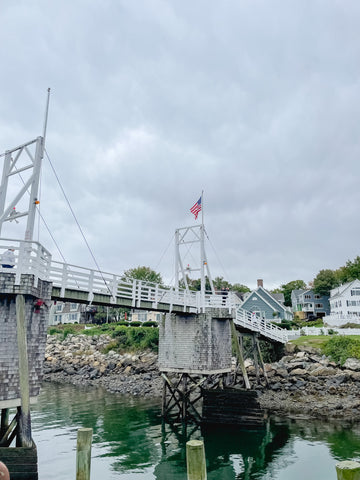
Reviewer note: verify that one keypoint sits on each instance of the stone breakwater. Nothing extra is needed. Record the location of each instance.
(302, 383)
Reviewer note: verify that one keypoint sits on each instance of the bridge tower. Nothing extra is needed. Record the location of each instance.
(25, 296)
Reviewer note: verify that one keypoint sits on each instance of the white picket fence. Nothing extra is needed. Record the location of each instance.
(292, 334)
(336, 320)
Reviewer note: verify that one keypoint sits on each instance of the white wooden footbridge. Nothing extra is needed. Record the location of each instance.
(83, 285)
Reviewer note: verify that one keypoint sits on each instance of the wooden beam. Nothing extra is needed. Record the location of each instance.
(25, 439)
(239, 354)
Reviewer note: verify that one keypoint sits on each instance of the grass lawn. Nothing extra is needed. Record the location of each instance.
(317, 341)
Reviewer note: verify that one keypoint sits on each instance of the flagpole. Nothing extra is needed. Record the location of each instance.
(202, 253)
(202, 208)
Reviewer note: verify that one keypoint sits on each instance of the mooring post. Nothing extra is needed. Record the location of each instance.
(83, 453)
(348, 470)
(195, 460)
(24, 419)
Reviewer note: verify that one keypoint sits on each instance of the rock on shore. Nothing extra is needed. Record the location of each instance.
(301, 383)
(79, 359)
(308, 384)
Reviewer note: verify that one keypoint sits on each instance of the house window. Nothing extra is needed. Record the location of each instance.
(73, 317)
(158, 317)
(59, 307)
(355, 291)
(317, 296)
(307, 296)
(57, 318)
(319, 305)
(142, 317)
(73, 306)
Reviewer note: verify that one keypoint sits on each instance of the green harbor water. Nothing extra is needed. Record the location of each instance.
(130, 441)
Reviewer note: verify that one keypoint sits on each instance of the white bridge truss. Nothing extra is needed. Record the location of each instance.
(79, 284)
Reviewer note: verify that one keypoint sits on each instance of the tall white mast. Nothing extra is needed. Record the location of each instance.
(31, 185)
(188, 236)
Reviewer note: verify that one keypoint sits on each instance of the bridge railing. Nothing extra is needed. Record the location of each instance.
(261, 325)
(30, 258)
(33, 258)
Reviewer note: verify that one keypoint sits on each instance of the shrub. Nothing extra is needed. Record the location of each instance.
(68, 330)
(332, 332)
(110, 346)
(135, 324)
(150, 324)
(54, 331)
(340, 348)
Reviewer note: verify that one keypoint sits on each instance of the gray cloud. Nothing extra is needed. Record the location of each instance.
(254, 102)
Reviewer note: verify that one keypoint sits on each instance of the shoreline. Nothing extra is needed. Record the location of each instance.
(302, 384)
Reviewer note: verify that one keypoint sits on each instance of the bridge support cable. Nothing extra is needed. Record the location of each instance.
(76, 220)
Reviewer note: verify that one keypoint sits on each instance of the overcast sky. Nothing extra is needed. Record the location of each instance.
(256, 102)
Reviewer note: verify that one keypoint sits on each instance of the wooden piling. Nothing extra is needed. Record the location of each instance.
(348, 470)
(195, 460)
(83, 453)
(24, 438)
(239, 354)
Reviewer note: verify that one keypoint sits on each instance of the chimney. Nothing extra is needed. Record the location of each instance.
(260, 282)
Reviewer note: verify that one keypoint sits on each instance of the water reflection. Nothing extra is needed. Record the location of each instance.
(131, 441)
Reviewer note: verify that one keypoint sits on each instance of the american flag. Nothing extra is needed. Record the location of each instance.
(196, 208)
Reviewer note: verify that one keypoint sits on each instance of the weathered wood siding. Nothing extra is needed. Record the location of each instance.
(195, 343)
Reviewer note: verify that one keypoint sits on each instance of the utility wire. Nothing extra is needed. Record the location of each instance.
(77, 223)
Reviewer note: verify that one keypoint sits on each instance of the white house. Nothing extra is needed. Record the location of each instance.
(65, 312)
(344, 304)
(145, 316)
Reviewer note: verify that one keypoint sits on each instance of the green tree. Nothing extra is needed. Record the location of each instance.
(349, 272)
(324, 281)
(143, 273)
(110, 314)
(219, 283)
(287, 288)
(240, 288)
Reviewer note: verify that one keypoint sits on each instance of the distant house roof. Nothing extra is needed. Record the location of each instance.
(269, 298)
(338, 291)
(279, 297)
